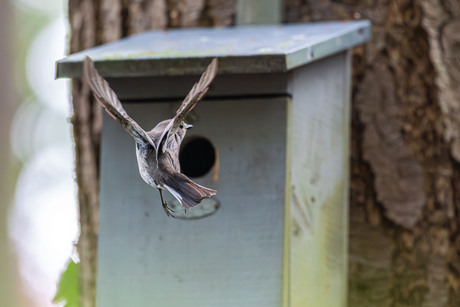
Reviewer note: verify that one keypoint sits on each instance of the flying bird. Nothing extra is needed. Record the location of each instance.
(157, 150)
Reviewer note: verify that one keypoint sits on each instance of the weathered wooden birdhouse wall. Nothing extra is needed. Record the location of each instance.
(271, 136)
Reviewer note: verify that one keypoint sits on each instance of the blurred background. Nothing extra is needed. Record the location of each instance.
(38, 190)
(405, 149)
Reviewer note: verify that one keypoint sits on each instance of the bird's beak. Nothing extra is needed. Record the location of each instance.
(188, 126)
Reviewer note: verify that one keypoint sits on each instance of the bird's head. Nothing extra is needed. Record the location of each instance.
(183, 127)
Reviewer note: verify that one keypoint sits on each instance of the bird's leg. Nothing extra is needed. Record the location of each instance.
(169, 211)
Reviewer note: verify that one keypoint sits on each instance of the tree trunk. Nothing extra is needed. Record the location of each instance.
(97, 22)
(404, 210)
(404, 214)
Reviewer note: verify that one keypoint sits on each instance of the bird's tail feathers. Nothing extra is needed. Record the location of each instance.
(184, 189)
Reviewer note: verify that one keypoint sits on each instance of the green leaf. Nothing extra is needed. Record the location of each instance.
(69, 288)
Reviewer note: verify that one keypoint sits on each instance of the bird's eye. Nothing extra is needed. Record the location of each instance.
(181, 126)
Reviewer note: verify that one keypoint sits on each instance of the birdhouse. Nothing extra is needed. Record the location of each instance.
(271, 136)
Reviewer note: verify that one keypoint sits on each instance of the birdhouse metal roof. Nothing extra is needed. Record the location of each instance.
(241, 49)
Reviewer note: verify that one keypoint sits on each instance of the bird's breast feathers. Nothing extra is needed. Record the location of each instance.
(146, 165)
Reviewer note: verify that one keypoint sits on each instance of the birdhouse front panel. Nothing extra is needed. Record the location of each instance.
(271, 136)
(233, 257)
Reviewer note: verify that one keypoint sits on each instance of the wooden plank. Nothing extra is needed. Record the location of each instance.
(318, 201)
(233, 258)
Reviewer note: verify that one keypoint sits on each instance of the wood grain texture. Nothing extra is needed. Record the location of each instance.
(185, 13)
(409, 37)
(86, 128)
(398, 175)
(404, 242)
(145, 15)
(441, 21)
(93, 23)
(109, 22)
(319, 145)
(204, 13)
(222, 12)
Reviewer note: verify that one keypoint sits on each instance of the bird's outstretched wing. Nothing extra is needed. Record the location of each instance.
(109, 100)
(196, 93)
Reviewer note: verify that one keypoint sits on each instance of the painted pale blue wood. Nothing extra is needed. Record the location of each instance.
(242, 49)
(281, 130)
(280, 236)
(318, 159)
(232, 258)
(253, 12)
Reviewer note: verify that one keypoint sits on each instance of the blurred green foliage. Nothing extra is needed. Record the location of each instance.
(68, 288)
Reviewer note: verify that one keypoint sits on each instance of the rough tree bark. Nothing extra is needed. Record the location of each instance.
(93, 22)
(404, 213)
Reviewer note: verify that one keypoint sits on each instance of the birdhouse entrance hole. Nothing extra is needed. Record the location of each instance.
(197, 156)
(277, 116)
